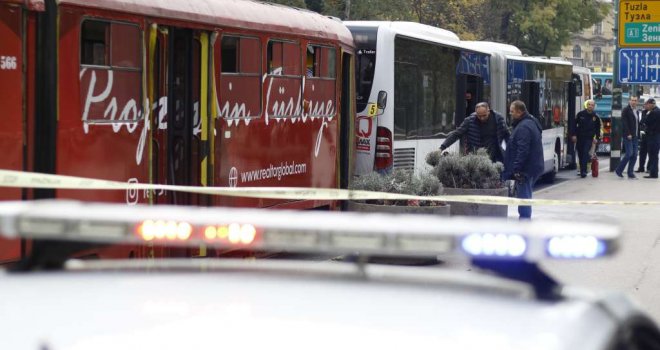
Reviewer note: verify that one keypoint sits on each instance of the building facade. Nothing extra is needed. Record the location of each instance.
(594, 47)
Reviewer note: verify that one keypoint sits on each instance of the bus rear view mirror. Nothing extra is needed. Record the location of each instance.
(382, 99)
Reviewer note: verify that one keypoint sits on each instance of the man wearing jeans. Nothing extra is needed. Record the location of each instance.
(630, 126)
(523, 159)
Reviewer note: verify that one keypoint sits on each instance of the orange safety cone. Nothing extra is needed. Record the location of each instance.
(594, 165)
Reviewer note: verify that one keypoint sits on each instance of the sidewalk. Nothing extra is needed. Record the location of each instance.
(607, 186)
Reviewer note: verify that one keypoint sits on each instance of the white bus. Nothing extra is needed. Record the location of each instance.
(426, 80)
(543, 84)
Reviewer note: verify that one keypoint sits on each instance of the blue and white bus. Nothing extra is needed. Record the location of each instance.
(426, 80)
(543, 84)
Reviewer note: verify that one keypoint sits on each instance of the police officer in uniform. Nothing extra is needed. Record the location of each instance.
(586, 133)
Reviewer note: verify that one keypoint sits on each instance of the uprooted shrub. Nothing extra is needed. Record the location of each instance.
(472, 171)
(403, 182)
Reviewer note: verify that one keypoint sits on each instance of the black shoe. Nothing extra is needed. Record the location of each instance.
(585, 175)
(633, 177)
(619, 174)
(650, 177)
(640, 170)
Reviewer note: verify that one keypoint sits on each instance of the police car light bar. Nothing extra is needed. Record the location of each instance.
(307, 231)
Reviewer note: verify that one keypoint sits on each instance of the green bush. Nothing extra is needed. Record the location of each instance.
(474, 171)
(403, 182)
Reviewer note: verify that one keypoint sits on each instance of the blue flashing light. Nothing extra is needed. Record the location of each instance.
(576, 247)
(494, 245)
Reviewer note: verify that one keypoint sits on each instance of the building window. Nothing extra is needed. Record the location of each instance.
(577, 51)
(598, 28)
(597, 55)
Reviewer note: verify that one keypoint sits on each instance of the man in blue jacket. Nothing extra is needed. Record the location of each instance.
(523, 160)
(484, 128)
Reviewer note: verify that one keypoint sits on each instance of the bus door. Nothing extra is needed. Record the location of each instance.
(574, 89)
(11, 104)
(531, 95)
(180, 113)
(469, 92)
(346, 122)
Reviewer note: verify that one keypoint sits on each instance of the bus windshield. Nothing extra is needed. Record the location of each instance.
(365, 39)
(602, 86)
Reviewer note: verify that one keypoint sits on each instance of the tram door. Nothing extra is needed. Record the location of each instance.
(11, 107)
(178, 146)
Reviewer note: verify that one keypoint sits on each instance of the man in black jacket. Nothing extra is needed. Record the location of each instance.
(653, 135)
(630, 127)
(586, 132)
(484, 128)
(643, 140)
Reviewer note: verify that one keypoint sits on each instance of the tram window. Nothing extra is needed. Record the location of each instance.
(284, 58)
(240, 81)
(240, 55)
(275, 58)
(125, 46)
(321, 62)
(312, 62)
(607, 89)
(94, 44)
(329, 67)
(230, 54)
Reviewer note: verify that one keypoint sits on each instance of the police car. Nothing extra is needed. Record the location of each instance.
(503, 301)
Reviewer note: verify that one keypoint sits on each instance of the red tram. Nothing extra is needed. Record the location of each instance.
(196, 92)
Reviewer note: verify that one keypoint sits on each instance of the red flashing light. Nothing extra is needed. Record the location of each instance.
(150, 230)
(606, 139)
(233, 233)
(162, 230)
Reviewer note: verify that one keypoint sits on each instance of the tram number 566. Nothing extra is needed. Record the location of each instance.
(8, 63)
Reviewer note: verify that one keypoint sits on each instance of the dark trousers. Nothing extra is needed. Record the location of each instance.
(630, 156)
(643, 148)
(654, 148)
(583, 146)
(524, 190)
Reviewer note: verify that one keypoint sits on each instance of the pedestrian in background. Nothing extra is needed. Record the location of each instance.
(523, 159)
(586, 134)
(653, 134)
(630, 127)
(484, 128)
(643, 140)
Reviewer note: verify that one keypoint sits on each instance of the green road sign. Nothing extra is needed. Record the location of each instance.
(642, 33)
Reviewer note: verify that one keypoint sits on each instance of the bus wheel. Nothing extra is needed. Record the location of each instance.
(550, 177)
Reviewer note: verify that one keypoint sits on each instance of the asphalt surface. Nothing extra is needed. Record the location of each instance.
(635, 270)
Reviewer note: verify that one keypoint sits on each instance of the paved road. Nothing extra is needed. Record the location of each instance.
(636, 269)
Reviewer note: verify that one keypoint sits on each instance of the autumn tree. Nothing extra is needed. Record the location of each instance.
(537, 27)
(315, 5)
(295, 3)
(541, 27)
